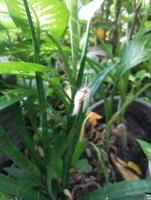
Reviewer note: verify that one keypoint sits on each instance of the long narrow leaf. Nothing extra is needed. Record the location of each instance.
(96, 82)
(25, 135)
(122, 190)
(74, 30)
(10, 186)
(35, 41)
(43, 112)
(10, 150)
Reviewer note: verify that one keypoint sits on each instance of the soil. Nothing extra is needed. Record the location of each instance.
(125, 159)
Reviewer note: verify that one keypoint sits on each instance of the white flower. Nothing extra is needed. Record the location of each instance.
(79, 98)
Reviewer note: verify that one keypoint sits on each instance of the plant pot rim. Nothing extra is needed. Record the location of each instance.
(137, 101)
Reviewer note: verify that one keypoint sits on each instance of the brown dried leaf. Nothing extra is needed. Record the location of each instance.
(93, 118)
(121, 167)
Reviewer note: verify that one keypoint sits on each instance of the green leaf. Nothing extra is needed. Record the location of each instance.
(10, 186)
(12, 96)
(4, 196)
(74, 30)
(78, 151)
(127, 190)
(83, 166)
(57, 174)
(17, 12)
(24, 178)
(96, 82)
(12, 152)
(25, 135)
(48, 16)
(146, 147)
(21, 68)
(52, 16)
(135, 52)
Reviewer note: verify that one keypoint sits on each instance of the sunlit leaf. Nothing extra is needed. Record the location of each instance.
(21, 68)
(52, 16)
(48, 16)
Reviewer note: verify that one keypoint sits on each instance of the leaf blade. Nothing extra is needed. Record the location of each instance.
(122, 190)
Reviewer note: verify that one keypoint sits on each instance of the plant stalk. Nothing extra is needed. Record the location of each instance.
(33, 34)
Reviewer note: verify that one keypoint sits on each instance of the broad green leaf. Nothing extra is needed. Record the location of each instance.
(146, 147)
(52, 16)
(17, 12)
(21, 68)
(48, 16)
(83, 166)
(127, 190)
(12, 152)
(10, 97)
(12, 187)
(135, 52)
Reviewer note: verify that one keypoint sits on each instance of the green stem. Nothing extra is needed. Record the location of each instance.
(67, 68)
(43, 112)
(72, 6)
(136, 11)
(74, 137)
(101, 162)
(83, 57)
(33, 34)
(115, 38)
(115, 117)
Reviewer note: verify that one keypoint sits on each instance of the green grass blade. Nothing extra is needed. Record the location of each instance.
(83, 57)
(12, 187)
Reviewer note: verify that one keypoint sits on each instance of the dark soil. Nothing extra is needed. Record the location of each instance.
(137, 126)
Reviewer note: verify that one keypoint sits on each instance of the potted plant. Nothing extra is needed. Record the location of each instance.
(56, 104)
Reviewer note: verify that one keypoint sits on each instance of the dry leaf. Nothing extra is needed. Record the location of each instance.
(121, 167)
(93, 118)
(134, 167)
